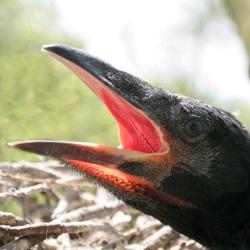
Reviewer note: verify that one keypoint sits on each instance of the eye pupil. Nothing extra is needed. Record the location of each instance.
(194, 128)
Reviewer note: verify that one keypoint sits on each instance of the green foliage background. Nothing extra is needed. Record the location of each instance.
(40, 98)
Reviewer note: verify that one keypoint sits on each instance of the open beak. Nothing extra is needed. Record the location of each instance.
(141, 138)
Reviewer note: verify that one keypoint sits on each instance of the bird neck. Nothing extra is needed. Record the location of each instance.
(237, 237)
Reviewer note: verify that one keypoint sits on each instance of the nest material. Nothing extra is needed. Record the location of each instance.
(59, 210)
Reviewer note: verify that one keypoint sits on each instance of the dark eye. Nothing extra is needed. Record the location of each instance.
(194, 128)
(193, 131)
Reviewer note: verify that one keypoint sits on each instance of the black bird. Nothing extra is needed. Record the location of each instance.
(182, 161)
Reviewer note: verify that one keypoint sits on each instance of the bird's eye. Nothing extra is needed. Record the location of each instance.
(194, 128)
(193, 131)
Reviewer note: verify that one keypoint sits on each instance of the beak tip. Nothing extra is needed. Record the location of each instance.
(13, 144)
(60, 50)
(44, 48)
(22, 145)
(48, 47)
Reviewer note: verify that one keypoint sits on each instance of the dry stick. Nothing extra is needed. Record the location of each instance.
(32, 164)
(7, 218)
(90, 212)
(39, 187)
(69, 202)
(60, 208)
(191, 244)
(5, 184)
(129, 233)
(71, 182)
(135, 231)
(38, 167)
(23, 191)
(23, 243)
(51, 228)
(157, 239)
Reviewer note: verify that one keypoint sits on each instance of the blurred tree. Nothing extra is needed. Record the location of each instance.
(39, 98)
(240, 12)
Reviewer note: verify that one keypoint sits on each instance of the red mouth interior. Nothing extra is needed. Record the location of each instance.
(137, 131)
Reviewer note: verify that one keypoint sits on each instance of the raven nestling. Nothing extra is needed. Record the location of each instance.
(182, 161)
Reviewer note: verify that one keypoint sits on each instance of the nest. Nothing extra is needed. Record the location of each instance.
(61, 210)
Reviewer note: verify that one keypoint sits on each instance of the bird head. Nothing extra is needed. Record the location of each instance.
(179, 160)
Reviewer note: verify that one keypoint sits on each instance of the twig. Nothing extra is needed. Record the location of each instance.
(72, 182)
(60, 208)
(5, 184)
(95, 211)
(191, 244)
(51, 228)
(23, 243)
(159, 238)
(134, 231)
(72, 200)
(7, 218)
(41, 168)
(23, 191)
